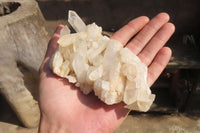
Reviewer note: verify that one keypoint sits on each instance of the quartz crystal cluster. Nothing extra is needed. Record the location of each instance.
(94, 62)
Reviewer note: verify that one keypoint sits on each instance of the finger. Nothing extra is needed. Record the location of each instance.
(139, 42)
(158, 64)
(52, 45)
(125, 33)
(156, 43)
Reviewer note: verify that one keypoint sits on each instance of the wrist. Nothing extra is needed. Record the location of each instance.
(54, 125)
(46, 126)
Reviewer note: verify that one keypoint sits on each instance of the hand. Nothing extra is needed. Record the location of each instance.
(64, 108)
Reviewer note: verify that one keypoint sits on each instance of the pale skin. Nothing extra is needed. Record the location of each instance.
(65, 109)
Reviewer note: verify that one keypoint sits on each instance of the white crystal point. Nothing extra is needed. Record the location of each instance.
(65, 31)
(76, 22)
(143, 106)
(94, 62)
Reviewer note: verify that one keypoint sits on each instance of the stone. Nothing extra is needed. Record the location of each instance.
(23, 42)
(97, 63)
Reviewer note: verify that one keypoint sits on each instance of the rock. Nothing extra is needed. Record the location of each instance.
(23, 42)
(103, 65)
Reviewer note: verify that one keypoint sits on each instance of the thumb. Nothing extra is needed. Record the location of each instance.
(53, 45)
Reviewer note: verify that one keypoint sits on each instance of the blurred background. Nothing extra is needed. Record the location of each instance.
(176, 108)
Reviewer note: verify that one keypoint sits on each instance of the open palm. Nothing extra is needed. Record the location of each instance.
(64, 108)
